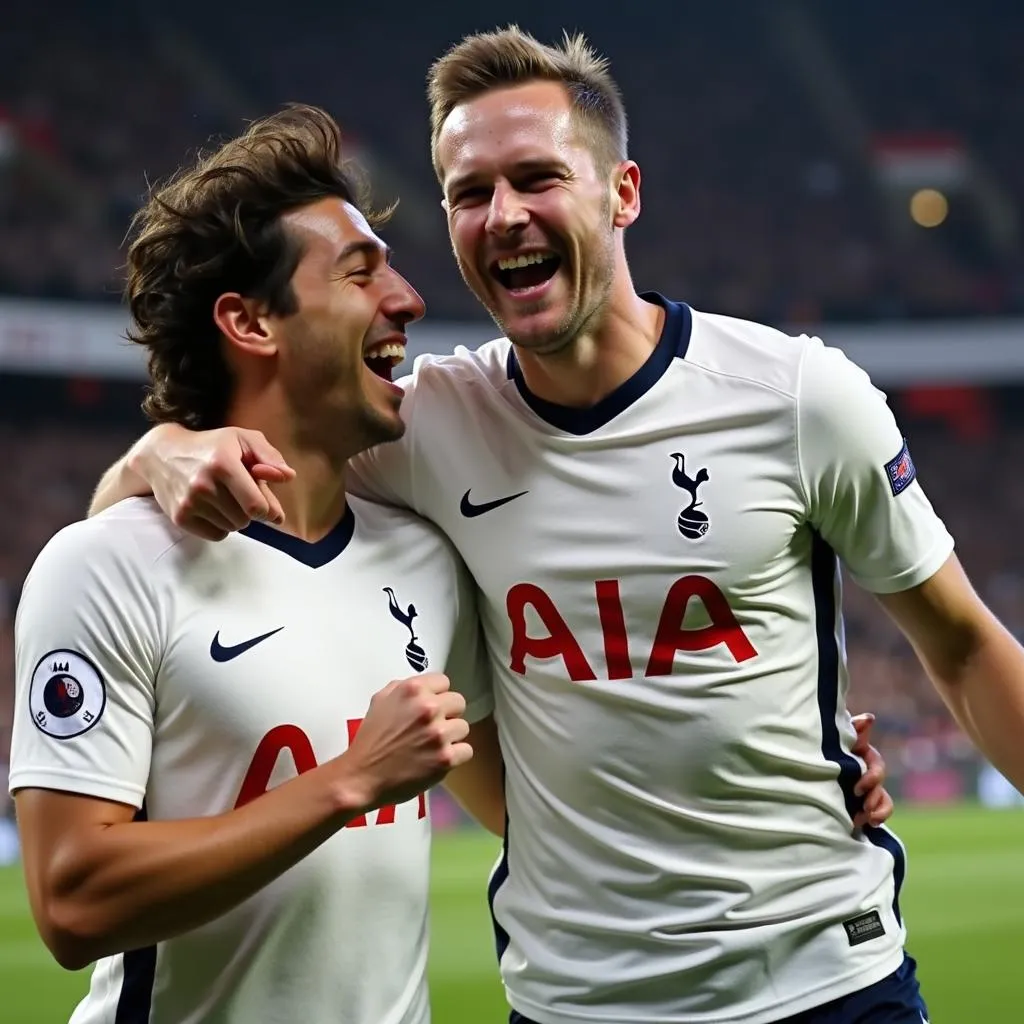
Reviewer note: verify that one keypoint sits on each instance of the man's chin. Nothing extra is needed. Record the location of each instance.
(538, 339)
(384, 427)
(537, 330)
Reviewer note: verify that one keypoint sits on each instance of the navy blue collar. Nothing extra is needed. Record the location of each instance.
(314, 554)
(675, 337)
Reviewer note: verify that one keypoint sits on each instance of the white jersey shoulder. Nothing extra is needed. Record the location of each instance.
(488, 361)
(128, 537)
(93, 581)
(748, 351)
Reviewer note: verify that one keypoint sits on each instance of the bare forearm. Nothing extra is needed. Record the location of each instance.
(137, 883)
(116, 484)
(479, 786)
(974, 662)
(985, 693)
(487, 809)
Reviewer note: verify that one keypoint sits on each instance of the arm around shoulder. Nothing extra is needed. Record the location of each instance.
(118, 482)
(209, 482)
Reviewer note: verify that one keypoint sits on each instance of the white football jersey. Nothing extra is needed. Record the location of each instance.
(186, 678)
(661, 603)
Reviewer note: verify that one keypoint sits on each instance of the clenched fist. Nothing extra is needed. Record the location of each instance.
(412, 735)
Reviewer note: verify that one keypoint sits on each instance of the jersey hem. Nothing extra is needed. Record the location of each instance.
(74, 782)
(778, 1012)
(912, 577)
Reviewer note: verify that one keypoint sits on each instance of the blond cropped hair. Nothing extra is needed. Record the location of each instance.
(507, 57)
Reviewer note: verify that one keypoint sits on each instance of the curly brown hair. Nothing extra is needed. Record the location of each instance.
(216, 227)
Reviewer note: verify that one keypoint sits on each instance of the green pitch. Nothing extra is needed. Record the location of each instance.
(963, 901)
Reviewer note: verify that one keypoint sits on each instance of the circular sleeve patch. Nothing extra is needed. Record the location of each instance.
(67, 695)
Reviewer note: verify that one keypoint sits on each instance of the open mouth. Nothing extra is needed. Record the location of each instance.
(526, 271)
(382, 359)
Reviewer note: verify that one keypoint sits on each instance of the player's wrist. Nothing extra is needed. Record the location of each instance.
(145, 456)
(353, 792)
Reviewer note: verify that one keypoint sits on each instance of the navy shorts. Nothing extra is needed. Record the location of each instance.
(893, 1000)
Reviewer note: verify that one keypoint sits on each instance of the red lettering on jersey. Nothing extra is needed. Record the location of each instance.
(672, 637)
(558, 643)
(294, 740)
(282, 737)
(613, 627)
(385, 814)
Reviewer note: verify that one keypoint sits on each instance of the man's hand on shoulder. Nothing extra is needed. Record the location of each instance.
(209, 482)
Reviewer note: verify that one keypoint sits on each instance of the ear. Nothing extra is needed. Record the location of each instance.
(626, 194)
(245, 325)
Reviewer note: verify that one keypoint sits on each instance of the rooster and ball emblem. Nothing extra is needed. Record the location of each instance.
(414, 654)
(692, 523)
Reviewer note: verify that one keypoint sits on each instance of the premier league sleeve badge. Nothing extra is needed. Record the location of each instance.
(67, 694)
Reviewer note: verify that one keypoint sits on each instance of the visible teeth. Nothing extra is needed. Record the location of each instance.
(392, 350)
(523, 260)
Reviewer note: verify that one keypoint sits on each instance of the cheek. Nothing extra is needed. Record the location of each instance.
(332, 351)
(463, 233)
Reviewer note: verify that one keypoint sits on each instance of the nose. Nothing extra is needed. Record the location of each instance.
(402, 304)
(506, 212)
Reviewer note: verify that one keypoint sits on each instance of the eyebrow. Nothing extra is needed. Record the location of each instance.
(367, 248)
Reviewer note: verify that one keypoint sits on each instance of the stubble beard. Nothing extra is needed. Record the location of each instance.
(575, 322)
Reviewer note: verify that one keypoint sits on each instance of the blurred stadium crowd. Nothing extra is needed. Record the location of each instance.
(767, 135)
(779, 144)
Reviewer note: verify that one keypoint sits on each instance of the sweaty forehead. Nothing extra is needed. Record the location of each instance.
(507, 126)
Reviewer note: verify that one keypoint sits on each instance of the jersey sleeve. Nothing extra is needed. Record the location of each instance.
(87, 647)
(859, 479)
(384, 473)
(468, 666)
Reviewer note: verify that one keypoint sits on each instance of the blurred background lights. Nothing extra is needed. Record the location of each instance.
(928, 207)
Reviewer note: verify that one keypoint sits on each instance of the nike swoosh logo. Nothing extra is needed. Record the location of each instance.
(470, 511)
(220, 653)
